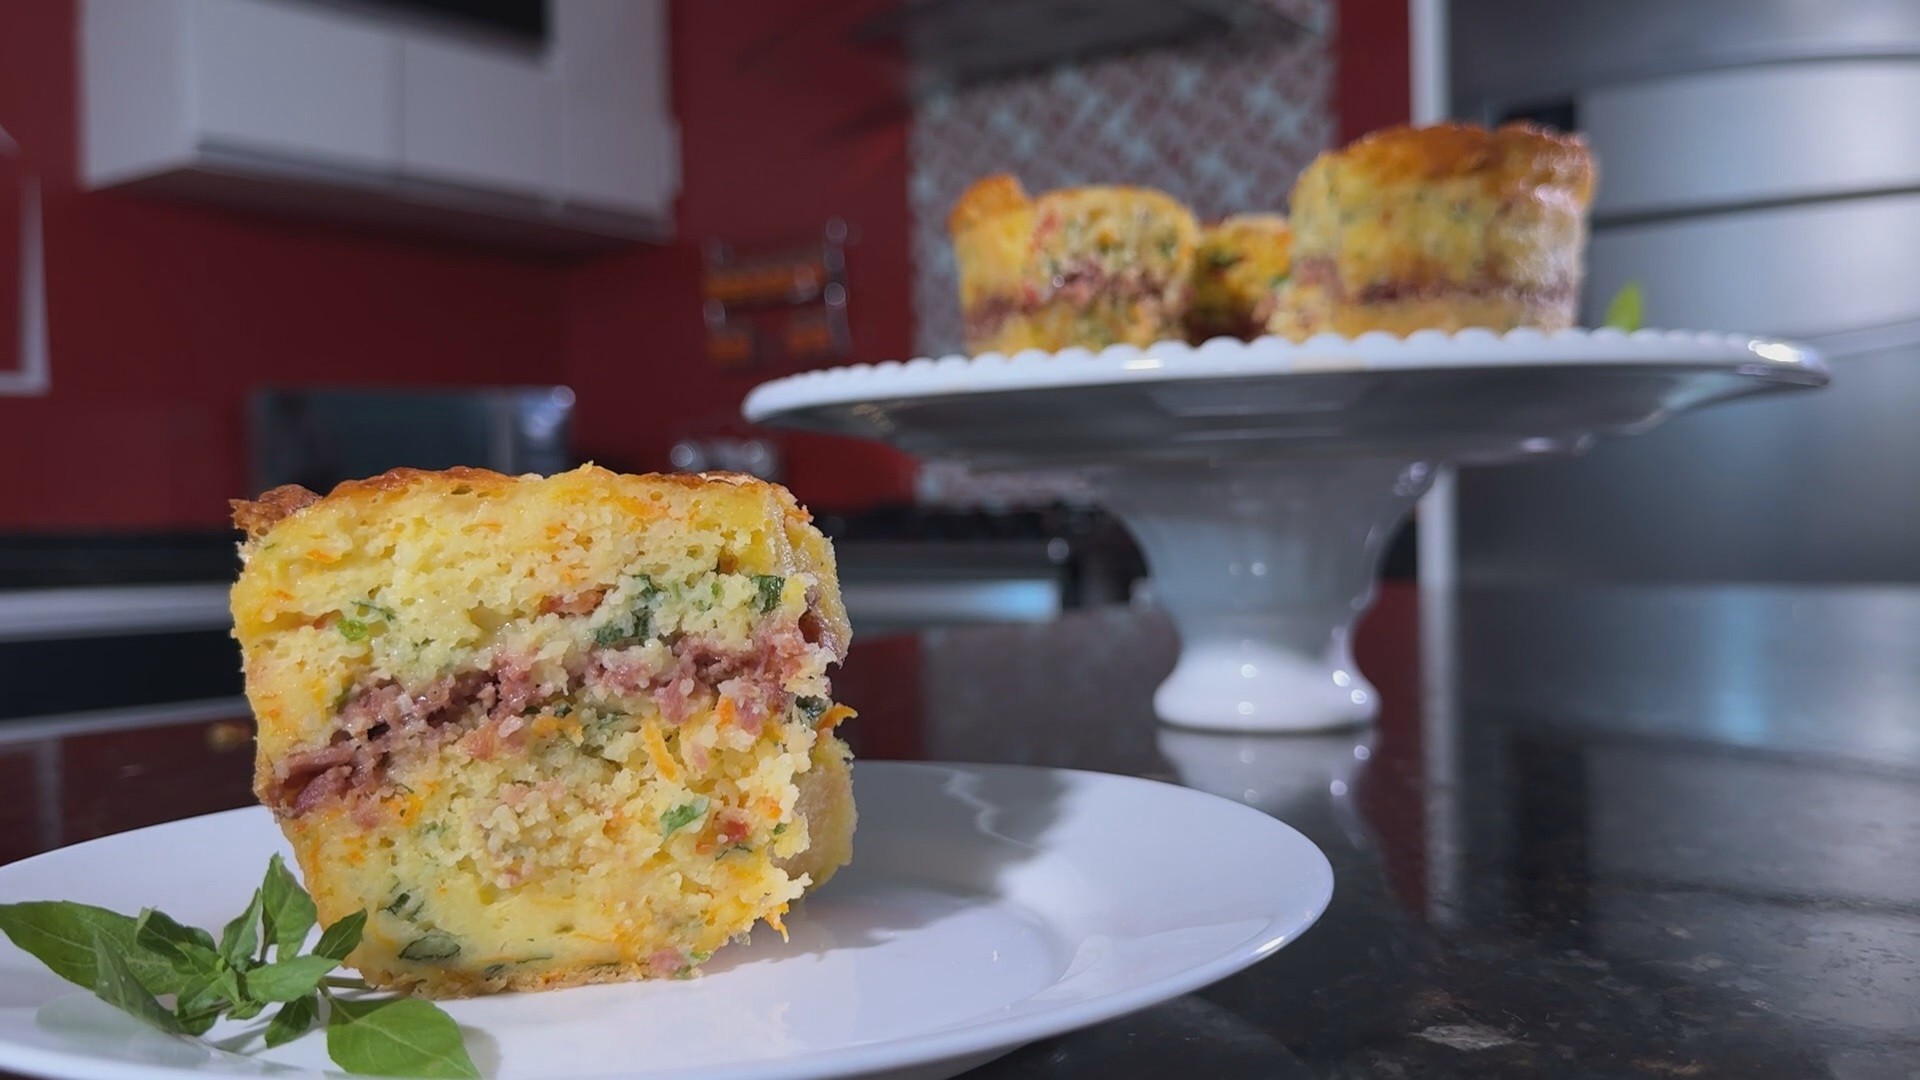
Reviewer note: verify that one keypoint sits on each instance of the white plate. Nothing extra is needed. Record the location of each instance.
(987, 906)
(1428, 396)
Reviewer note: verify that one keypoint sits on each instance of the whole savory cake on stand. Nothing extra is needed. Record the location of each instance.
(1425, 319)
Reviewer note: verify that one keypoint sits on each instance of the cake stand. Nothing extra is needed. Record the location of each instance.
(1262, 478)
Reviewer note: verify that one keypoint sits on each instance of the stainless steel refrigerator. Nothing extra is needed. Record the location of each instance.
(1760, 171)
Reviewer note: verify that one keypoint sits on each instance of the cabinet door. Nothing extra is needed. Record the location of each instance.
(480, 116)
(620, 145)
(310, 84)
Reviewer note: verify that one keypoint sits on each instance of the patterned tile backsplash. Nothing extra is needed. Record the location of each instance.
(1223, 124)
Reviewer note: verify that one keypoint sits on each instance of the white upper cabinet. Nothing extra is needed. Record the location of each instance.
(292, 80)
(618, 136)
(485, 118)
(341, 110)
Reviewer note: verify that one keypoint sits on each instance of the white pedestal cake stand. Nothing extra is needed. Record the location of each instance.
(1261, 478)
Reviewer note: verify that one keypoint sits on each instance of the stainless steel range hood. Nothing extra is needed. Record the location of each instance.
(964, 42)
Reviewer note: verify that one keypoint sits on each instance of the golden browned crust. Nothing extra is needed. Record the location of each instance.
(257, 517)
(986, 197)
(461, 984)
(1119, 201)
(1252, 227)
(1509, 160)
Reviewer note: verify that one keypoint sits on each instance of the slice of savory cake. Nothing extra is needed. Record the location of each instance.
(1085, 266)
(545, 731)
(1440, 227)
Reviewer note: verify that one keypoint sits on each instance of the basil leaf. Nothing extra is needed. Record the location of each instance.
(246, 1010)
(197, 1024)
(293, 1020)
(770, 587)
(430, 946)
(353, 629)
(289, 910)
(682, 816)
(1626, 310)
(200, 1004)
(342, 937)
(629, 629)
(188, 950)
(289, 980)
(59, 934)
(618, 632)
(116, 985)
(397, 1037)
(242, 935)
(157, 927)
(227, 981)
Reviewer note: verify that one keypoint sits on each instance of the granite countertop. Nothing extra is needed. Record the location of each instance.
(1597, 833)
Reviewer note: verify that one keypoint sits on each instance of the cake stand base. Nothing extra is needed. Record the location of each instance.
(1264, 567)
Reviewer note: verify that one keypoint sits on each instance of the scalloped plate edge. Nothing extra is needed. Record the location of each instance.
(1230, 358)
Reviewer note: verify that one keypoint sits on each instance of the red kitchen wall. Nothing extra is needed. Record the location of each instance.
(1373, 82)
(784, 124)
(162, 317)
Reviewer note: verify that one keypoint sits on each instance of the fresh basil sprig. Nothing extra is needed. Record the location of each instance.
(132, 963)
(1625, 310)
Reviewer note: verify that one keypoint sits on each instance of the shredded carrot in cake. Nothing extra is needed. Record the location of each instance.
(657, 752)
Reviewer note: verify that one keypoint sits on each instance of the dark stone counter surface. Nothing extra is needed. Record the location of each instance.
(1603, 833)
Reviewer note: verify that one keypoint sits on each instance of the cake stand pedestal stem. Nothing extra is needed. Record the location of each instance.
(1264, 567)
